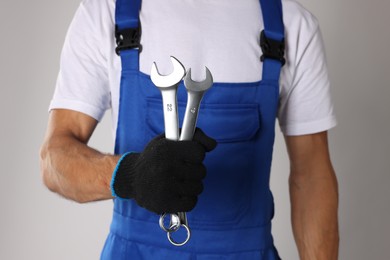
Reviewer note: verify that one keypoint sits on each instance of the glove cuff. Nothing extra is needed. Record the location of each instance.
(122, 178)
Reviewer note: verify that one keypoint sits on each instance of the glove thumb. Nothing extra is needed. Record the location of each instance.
(207, 142)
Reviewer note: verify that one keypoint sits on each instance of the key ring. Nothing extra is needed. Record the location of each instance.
(177, 221)
(173, 242)
(174, 224)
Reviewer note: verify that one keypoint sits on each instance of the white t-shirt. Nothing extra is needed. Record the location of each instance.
(222, 35)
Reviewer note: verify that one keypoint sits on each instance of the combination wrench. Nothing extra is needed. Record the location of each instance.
(168, 85)
(195, 91)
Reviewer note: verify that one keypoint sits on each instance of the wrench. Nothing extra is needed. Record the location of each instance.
(168, 85)
(195, 93)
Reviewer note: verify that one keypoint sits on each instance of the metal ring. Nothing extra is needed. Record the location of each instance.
(174, 224)
(173, 242)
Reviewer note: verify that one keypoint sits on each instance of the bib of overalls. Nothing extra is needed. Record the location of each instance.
(232, 219)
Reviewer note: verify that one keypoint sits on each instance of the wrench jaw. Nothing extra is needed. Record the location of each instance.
(168, 81)
(201, 86)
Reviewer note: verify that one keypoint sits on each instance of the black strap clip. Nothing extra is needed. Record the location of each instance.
(127, 39)
(272, 49)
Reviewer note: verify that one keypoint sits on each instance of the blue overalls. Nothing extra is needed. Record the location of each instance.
(232, 219)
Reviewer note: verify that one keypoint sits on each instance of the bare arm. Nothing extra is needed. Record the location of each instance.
(68, 166)
(314, 197)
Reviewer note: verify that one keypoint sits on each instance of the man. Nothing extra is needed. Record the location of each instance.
(230, 209)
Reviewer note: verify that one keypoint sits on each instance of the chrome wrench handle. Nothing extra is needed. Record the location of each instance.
(187, 133)
(195, 93)
(171, 116)
(191, 116)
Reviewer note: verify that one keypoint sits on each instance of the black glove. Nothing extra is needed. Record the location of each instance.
(167, 176)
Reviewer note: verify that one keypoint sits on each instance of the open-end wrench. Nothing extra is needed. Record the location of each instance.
(195, 92)
(168, 85)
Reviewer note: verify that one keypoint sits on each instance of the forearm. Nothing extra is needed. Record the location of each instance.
(314, 200)
(74, 170)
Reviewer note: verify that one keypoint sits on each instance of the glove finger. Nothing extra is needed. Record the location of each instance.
(207, 142)
(163, 202)
(191, 188)
(157, 141)
(191, 173)
(191, 152)
(186, 204)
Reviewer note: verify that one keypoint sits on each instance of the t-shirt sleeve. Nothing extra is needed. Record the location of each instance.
(82, 83)
(305, 104)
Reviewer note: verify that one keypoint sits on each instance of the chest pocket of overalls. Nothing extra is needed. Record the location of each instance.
(235, 124)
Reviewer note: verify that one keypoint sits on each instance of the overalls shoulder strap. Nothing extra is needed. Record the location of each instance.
(128, 33)
(272, 39)
(127, 14)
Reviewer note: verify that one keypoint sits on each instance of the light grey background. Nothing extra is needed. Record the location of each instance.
(36, 224)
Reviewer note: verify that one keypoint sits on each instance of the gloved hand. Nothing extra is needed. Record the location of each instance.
(167, 176)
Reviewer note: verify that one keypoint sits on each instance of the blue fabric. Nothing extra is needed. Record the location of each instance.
(135, 250)
(232, 219)
(127, 13)
(273, 19)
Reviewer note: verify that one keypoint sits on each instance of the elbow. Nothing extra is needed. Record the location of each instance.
(80, 200)
(47, 176)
